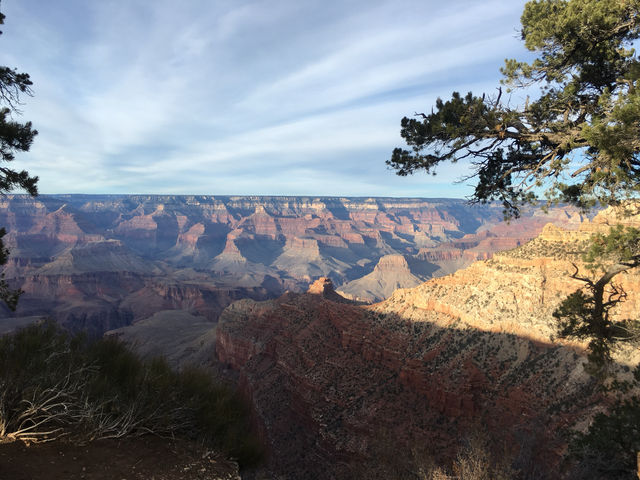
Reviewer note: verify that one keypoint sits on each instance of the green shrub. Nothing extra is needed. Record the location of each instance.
(608, 449)
(53, 384)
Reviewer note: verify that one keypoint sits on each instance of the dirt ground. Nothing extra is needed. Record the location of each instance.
(142, 458)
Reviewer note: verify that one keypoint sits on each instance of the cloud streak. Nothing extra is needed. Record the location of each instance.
(245, 97)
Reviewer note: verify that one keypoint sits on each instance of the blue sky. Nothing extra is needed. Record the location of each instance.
(276, 97)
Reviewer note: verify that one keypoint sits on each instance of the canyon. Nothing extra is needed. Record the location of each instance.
(99, 262)
(346, 391)
(275, 294)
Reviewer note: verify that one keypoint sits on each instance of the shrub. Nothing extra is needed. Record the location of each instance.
(53, 384)
(608, 449)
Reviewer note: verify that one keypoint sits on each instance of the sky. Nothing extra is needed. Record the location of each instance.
(246, 97)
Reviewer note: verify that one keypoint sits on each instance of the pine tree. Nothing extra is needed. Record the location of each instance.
(578, 141)
(14, 137)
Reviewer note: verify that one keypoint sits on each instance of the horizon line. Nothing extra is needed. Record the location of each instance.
(26, 195)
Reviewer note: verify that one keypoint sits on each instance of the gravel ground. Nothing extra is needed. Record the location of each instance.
(142, 458)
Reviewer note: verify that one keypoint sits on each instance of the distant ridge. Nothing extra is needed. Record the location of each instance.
(99, 262)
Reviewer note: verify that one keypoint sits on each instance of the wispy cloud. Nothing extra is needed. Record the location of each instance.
(269, 97)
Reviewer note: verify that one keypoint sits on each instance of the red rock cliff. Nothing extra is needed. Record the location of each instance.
(328, 379)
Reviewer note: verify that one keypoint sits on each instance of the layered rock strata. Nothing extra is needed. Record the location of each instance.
(105, 260)
(334, 384)
(390, 273)
(518, 290)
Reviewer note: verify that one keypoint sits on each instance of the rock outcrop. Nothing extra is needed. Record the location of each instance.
(517, 290)
(390, 273)
(332, 384)
(324, 287)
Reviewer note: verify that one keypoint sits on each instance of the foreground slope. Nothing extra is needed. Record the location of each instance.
(335, 385)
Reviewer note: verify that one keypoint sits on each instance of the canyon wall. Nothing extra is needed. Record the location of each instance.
(336, 387)
(349, 386)
(108, 260)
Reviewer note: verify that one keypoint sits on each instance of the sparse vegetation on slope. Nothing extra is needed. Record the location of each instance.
(54, 385)
(577, 141)
(473, 461)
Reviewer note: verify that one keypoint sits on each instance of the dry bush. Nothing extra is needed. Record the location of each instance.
(475, 462)
(54, 385)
